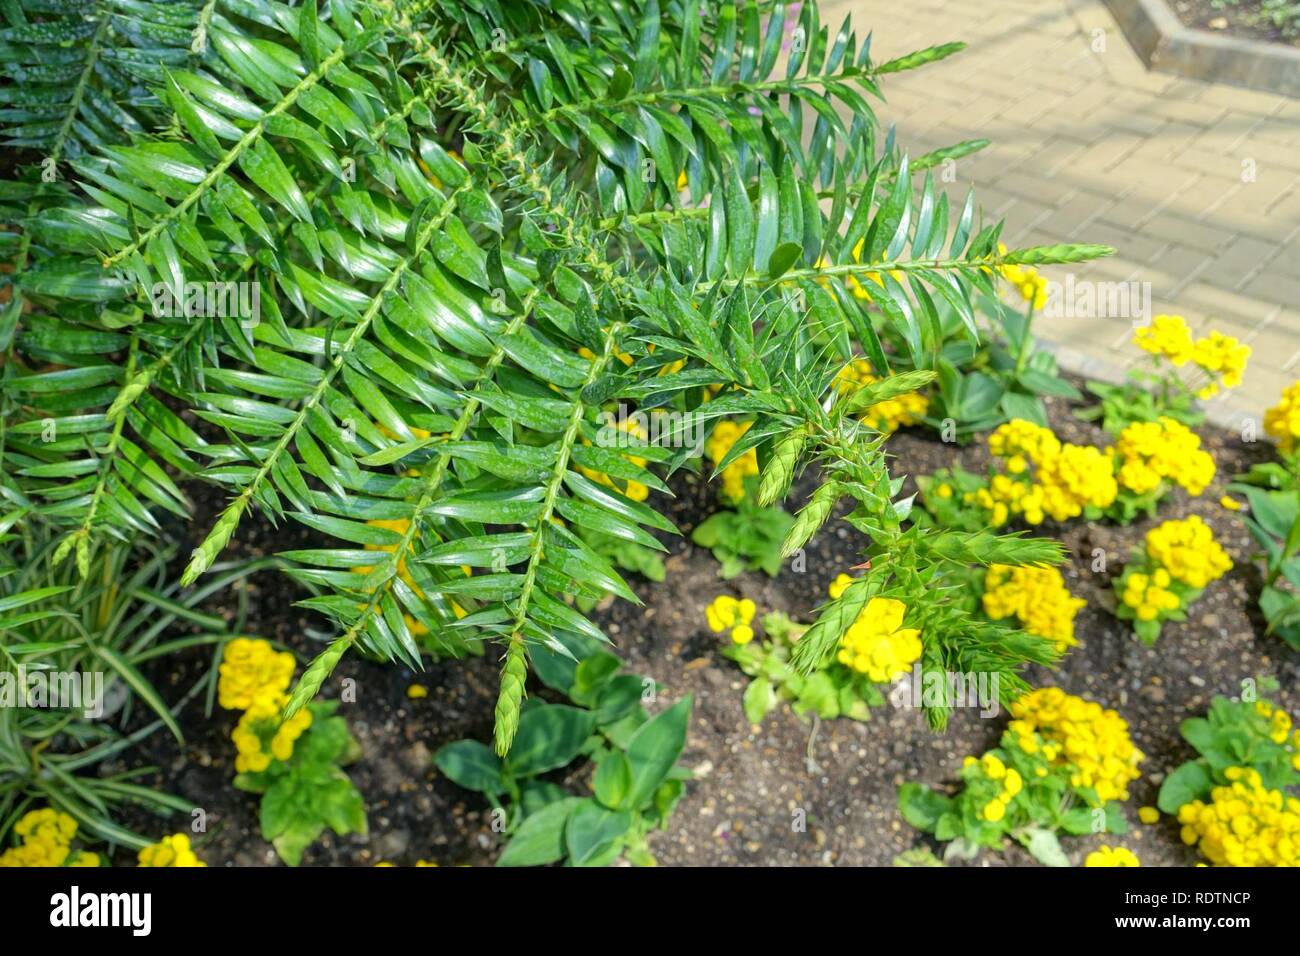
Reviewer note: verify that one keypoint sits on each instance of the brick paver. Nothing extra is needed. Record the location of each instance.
(1197, 185)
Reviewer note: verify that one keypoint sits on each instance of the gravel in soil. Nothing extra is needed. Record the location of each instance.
(789, 792)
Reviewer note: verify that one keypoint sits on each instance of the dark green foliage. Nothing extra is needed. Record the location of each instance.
(432, 341)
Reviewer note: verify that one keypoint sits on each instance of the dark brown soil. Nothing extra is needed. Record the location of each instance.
(751, 781)
(1243, 18)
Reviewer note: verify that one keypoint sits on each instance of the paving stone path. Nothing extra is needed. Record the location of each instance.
(1196, 184)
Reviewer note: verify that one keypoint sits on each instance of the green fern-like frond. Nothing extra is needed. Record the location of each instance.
(464, 227)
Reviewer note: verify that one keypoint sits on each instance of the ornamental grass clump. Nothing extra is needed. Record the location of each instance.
(449, 261)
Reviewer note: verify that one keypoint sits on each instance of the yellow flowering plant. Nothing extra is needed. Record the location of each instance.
(836, 690)
(1160, 389)
(173, 851)
(1236, 801)
(1035, 477)
(1177, 561)
(1062, 767)
(293, 762)
(44, 838)
(1282, 424)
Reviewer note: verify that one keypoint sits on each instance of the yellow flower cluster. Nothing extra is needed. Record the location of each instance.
(1244, 824)
(1223, 358)
(727, 613)
(46, 836)
(633, 489)
(1078, 732)
(887, 416)
(1151, 451)
(1036, 597)
(1111, 856)
(1282, 421)
(171, 850)
(1065, 478)
(725, 434)
(1026, 280)
(1005, 499)
(1280, 722)
(261, 737)
(1168, 337)
(255, 678)
(253, 671)
(877, 644)
(1149, 594)
(992, 767)
(1188, 551)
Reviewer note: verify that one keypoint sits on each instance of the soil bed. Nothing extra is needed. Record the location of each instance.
(750, 781)
(1241, 18)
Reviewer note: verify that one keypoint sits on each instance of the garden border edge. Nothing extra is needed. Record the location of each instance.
(1164, 44)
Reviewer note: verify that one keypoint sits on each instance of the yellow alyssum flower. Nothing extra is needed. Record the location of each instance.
(991, 767)
(35, 851)
(1188, 551)
(1148, 815)
(1231, 504)
(887, 416)
(1036, 597)
(1244, 824)
(1065, 478)
(417, 692)
(1223, 358)
(48, 824)
(46, 840)
(1151, 451)
(261, 737)
(1023, 438)
(174, 850)
(1106, 855)
(725, 434)
(1148, 594)
(635, 490)
(1282, 421)
(727, 613)
(1167, 336)
(252, 671)
(1078, 733)
(877, 644)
